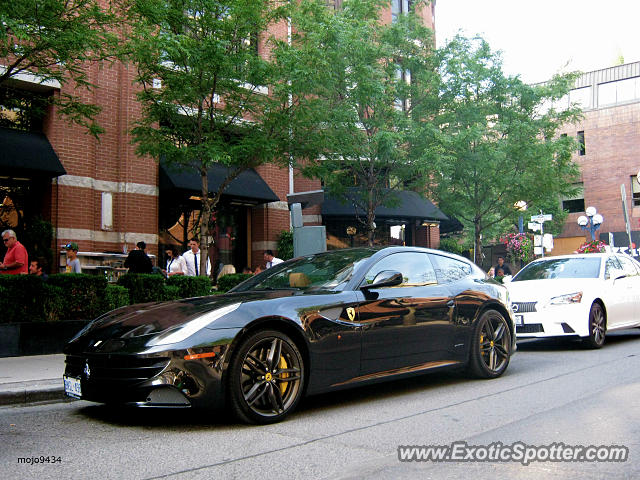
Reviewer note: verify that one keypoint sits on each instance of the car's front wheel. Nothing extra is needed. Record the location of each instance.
(597, 327)
(491, 346)
(266, 377)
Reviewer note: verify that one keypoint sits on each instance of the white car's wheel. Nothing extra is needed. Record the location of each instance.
(597, 327)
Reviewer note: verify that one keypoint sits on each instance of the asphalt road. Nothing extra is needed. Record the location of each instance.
(552, 392)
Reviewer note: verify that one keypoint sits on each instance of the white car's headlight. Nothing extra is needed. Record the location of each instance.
(185, 331)
(566, 299)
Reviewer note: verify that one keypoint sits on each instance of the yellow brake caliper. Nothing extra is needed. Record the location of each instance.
(282, 364)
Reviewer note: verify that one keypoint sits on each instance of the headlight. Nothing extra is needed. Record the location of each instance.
(566, 299)
(185, 331)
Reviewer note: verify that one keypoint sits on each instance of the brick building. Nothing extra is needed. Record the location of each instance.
(100, 194)
(609, 138)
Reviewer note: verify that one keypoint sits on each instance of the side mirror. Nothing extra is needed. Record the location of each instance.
(386, 278)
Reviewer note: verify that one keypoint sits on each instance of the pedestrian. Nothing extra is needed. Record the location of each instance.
(37, 267)
(138, 261)
(176, 264)
(73, 263)
(499, 275)
(270, 259)
(259, 269)
(505, 268)
(192, 259)
(16, 260)
(247, 271)
(227, 269)
(492, 272)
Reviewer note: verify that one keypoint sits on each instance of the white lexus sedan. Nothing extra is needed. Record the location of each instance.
(583, 295)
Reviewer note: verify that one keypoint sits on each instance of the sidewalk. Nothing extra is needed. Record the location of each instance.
(25, 380)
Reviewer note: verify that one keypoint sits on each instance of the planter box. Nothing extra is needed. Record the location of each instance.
(37, 338)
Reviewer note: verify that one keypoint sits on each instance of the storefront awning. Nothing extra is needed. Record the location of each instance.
(27, 154)
(248, 186)
(409, 205)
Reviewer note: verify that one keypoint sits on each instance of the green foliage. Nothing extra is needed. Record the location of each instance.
(190, 286)
(227, 282)
(171, 292)
(55, 39)
(21, 298)
(116, 296)
(143, 287)
(519, 247)
(453, 245)
(205, 55)
(357, 70)
(285, 245)
(83, 296)
(493, 142)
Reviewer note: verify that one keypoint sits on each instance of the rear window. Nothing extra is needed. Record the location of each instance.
(578, 267)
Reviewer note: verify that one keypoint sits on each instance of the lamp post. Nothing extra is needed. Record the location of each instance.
(591, 222)
(521, 206)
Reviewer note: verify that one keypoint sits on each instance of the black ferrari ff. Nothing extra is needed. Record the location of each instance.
(312, 324)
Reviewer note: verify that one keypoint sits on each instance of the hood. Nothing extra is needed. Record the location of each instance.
(153, 318)
(544, 290)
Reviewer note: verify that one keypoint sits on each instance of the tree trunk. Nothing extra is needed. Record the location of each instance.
(477, 242)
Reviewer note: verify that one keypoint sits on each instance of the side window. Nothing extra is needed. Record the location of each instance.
(627, 266)
(449, 270)
(415, 267)
(612, 269)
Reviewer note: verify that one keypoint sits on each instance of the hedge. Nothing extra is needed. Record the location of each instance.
(26, 298)
(116, 296)
(227, 282)
(83, 296)
(143, 287)
(190, 286)
(21, 299)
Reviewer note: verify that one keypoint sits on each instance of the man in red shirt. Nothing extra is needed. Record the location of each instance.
(16, 260)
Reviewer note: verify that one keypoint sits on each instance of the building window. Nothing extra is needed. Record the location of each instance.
(619, 91)
(399, 7)
(581, 146)
(635, 189)
(575, 203)
(581, 97)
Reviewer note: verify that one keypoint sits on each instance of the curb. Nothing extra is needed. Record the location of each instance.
(25, 393)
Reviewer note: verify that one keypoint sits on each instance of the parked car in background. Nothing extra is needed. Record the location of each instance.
(579, 295)
(312, 324)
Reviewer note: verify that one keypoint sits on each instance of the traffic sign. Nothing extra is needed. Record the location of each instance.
(542, 218)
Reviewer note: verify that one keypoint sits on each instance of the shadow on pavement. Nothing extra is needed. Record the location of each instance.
(548, 344)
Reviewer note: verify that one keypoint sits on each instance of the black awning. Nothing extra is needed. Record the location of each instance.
(409, 205)
(248, 186)
(29, 154)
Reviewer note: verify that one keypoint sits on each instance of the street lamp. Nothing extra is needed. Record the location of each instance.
(591, 222)
(521, 206)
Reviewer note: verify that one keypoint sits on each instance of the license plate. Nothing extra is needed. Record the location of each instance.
(519, 319)
(72, 387)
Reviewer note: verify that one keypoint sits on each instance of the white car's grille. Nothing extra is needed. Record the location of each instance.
(523, 307)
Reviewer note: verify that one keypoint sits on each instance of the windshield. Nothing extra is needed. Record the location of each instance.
(578, 267)
(326, 271)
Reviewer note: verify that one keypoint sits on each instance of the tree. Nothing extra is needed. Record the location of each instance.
(212, 90)
(53, 40)
(368, 78)
(494, 140)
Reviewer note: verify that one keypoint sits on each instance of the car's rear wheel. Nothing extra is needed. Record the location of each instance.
(266, 377)
(491, 346)
(597, 327)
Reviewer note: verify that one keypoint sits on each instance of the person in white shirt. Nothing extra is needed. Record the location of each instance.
(175, 263)
(270, 259)
(192, 259)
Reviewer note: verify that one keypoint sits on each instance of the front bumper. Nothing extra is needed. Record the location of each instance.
(553, 321)
(162, 379)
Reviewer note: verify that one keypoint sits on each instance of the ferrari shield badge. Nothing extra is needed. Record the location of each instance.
(351, 313)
